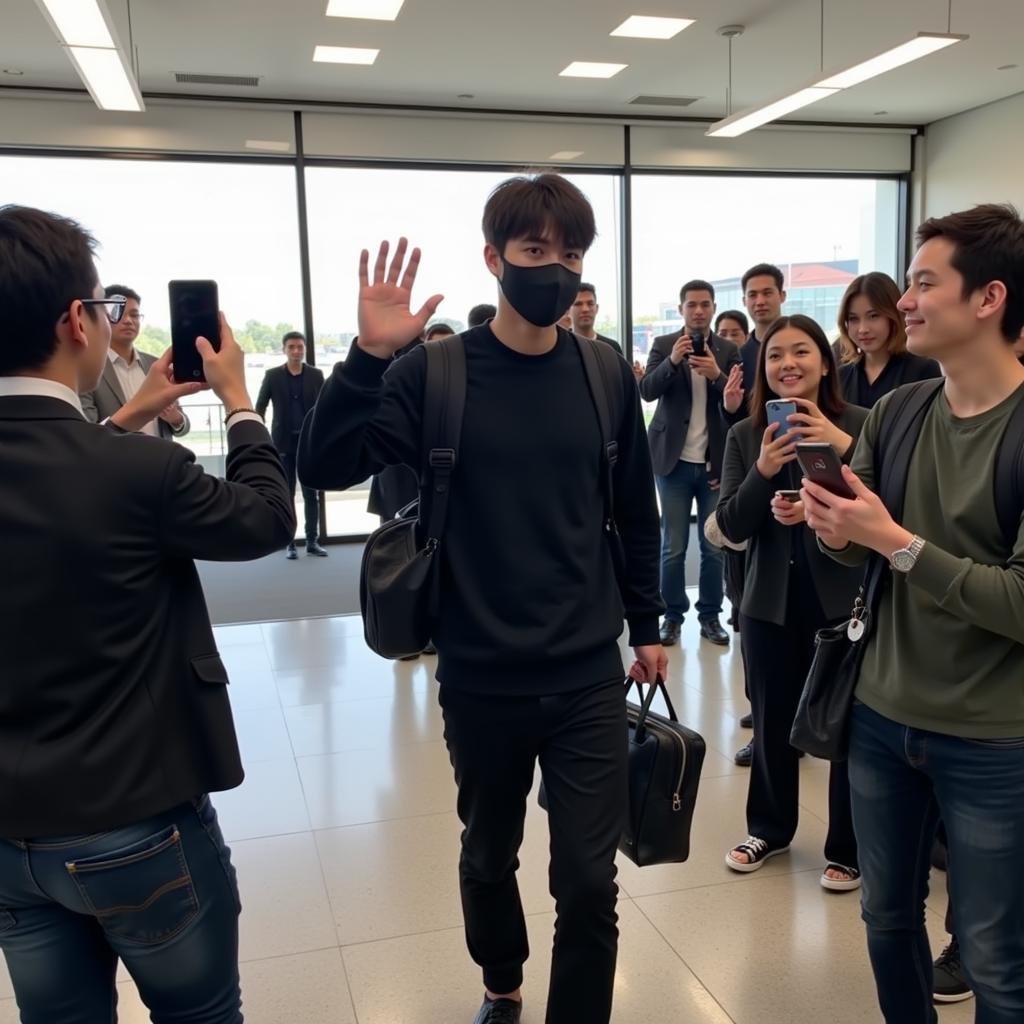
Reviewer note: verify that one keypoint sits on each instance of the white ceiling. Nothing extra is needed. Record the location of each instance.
(508, 53)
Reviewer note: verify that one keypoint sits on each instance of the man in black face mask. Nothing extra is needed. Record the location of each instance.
(531, 611)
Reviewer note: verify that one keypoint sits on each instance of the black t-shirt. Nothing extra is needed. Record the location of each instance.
(296, 409)
(530, 603)
(905, 368)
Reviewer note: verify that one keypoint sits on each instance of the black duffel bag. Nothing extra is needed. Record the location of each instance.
(665, 760)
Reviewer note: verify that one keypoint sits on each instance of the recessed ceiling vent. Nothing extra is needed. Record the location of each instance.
(189, 78)
(663, 101)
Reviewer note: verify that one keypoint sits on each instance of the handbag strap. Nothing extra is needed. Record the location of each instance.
(647, 699)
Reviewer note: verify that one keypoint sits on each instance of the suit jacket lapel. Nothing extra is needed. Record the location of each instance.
(110, 379)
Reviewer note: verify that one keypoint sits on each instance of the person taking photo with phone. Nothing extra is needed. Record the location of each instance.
(530, 607)
(938, 725)
(114, 715)
(792, 590)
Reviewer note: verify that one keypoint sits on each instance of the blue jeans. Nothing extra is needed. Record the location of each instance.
(902, 779)
(687, 483)
(160, 895)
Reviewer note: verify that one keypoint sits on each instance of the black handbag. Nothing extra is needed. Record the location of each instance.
(400, 575)
(822, 723)
(665, 760)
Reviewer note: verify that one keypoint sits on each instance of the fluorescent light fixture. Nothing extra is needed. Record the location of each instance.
(78, 22)
(923, 44)
(738, 124)
(268, 145)
(566, 154)
(640, 26)
(591, 69)
(107, 78)
(344, 55)
(371, 10)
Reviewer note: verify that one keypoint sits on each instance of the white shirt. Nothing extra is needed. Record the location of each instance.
(695, 447)
(131, 377)
(39, 387)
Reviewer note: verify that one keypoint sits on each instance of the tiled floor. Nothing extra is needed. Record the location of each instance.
(346, 845)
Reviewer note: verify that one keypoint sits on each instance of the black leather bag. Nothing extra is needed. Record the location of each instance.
(400, 576)
(665, 760)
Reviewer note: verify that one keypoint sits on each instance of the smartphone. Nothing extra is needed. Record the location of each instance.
(821, 465)
(700, 347)
(194, 314)
(778, 409)
(790, 496)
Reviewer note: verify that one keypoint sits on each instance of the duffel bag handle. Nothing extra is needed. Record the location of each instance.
(647, 699)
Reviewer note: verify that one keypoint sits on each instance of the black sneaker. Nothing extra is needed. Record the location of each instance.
(315, 549)
(670, 633)
(711, 629)
(290, 553)
(744, 757)
(950, 984)
(747, 721)
(499, 1011)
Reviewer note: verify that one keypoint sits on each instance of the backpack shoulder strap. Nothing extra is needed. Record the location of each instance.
(444, 401)
(600, 363)
(897, 438)
(1009, 477)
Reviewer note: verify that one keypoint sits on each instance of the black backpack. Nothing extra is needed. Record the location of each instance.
(400, 577)
(898, 436)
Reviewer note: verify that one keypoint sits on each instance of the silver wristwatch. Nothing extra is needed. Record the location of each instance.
(906, 558)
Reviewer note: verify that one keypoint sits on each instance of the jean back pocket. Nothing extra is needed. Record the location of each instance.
(142, 893)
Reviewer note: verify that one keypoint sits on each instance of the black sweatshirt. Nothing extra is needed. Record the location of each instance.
(529, 601)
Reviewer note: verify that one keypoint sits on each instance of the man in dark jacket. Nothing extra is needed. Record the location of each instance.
(687, 439)
(114, 713)
(292, 389)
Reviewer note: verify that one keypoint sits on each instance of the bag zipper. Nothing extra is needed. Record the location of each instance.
(657, 727)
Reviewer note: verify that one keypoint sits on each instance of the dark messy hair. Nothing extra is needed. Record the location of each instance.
(535, 205)
(696, 285)
(122, 289)
(733, 314)
(763, 270)
(46, 262)
(989, 241)
(293, 336)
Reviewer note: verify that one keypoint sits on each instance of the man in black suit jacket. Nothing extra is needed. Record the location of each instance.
(293, 390)
(114, 713)
(687, 441)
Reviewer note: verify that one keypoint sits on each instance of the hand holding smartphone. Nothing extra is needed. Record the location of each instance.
(822, 466)
(778, 410)
(195, 311)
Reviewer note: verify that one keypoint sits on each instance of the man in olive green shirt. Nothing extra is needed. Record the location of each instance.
(939, 724)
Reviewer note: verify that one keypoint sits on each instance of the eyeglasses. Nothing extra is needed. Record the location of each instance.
(113, 307)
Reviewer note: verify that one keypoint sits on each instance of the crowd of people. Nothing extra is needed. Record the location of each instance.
(112, 741)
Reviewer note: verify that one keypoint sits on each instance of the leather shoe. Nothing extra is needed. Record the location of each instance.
(315, 549)
(670, 633)
(745, 755)
(747, 721)
(711, 629)
(499, 1011)
(291, 554)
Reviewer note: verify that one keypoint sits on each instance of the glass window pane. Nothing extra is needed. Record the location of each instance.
(354, 208)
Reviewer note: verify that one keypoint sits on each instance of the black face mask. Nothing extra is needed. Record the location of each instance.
(540, 294)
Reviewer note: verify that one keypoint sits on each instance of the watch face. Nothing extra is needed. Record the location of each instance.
(903, 561)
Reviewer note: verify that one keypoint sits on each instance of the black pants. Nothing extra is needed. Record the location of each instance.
(579, 739)
(735, 578)
(309, 496)
(778, 659)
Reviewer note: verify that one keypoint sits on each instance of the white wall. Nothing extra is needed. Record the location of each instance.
(977, 157)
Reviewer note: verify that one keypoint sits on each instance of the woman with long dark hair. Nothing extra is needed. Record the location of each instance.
(792, 589)
(873, 342)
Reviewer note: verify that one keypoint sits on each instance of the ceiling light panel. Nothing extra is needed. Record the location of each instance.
(922, 45)
(107, 78)
(640, 26)
(592, 69)
(738, 124)
(344, 55)
(79, 22)
(566, 154)
(371, 10)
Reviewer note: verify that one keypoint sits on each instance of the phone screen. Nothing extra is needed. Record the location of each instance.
(822, 466)
(194, 314)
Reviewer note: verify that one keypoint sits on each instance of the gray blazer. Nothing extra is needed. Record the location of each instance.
(108, 398)
(744, 513)
(670, 387)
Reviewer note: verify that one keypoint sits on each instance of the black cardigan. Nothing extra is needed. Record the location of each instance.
(744, 514)
(905, 368)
